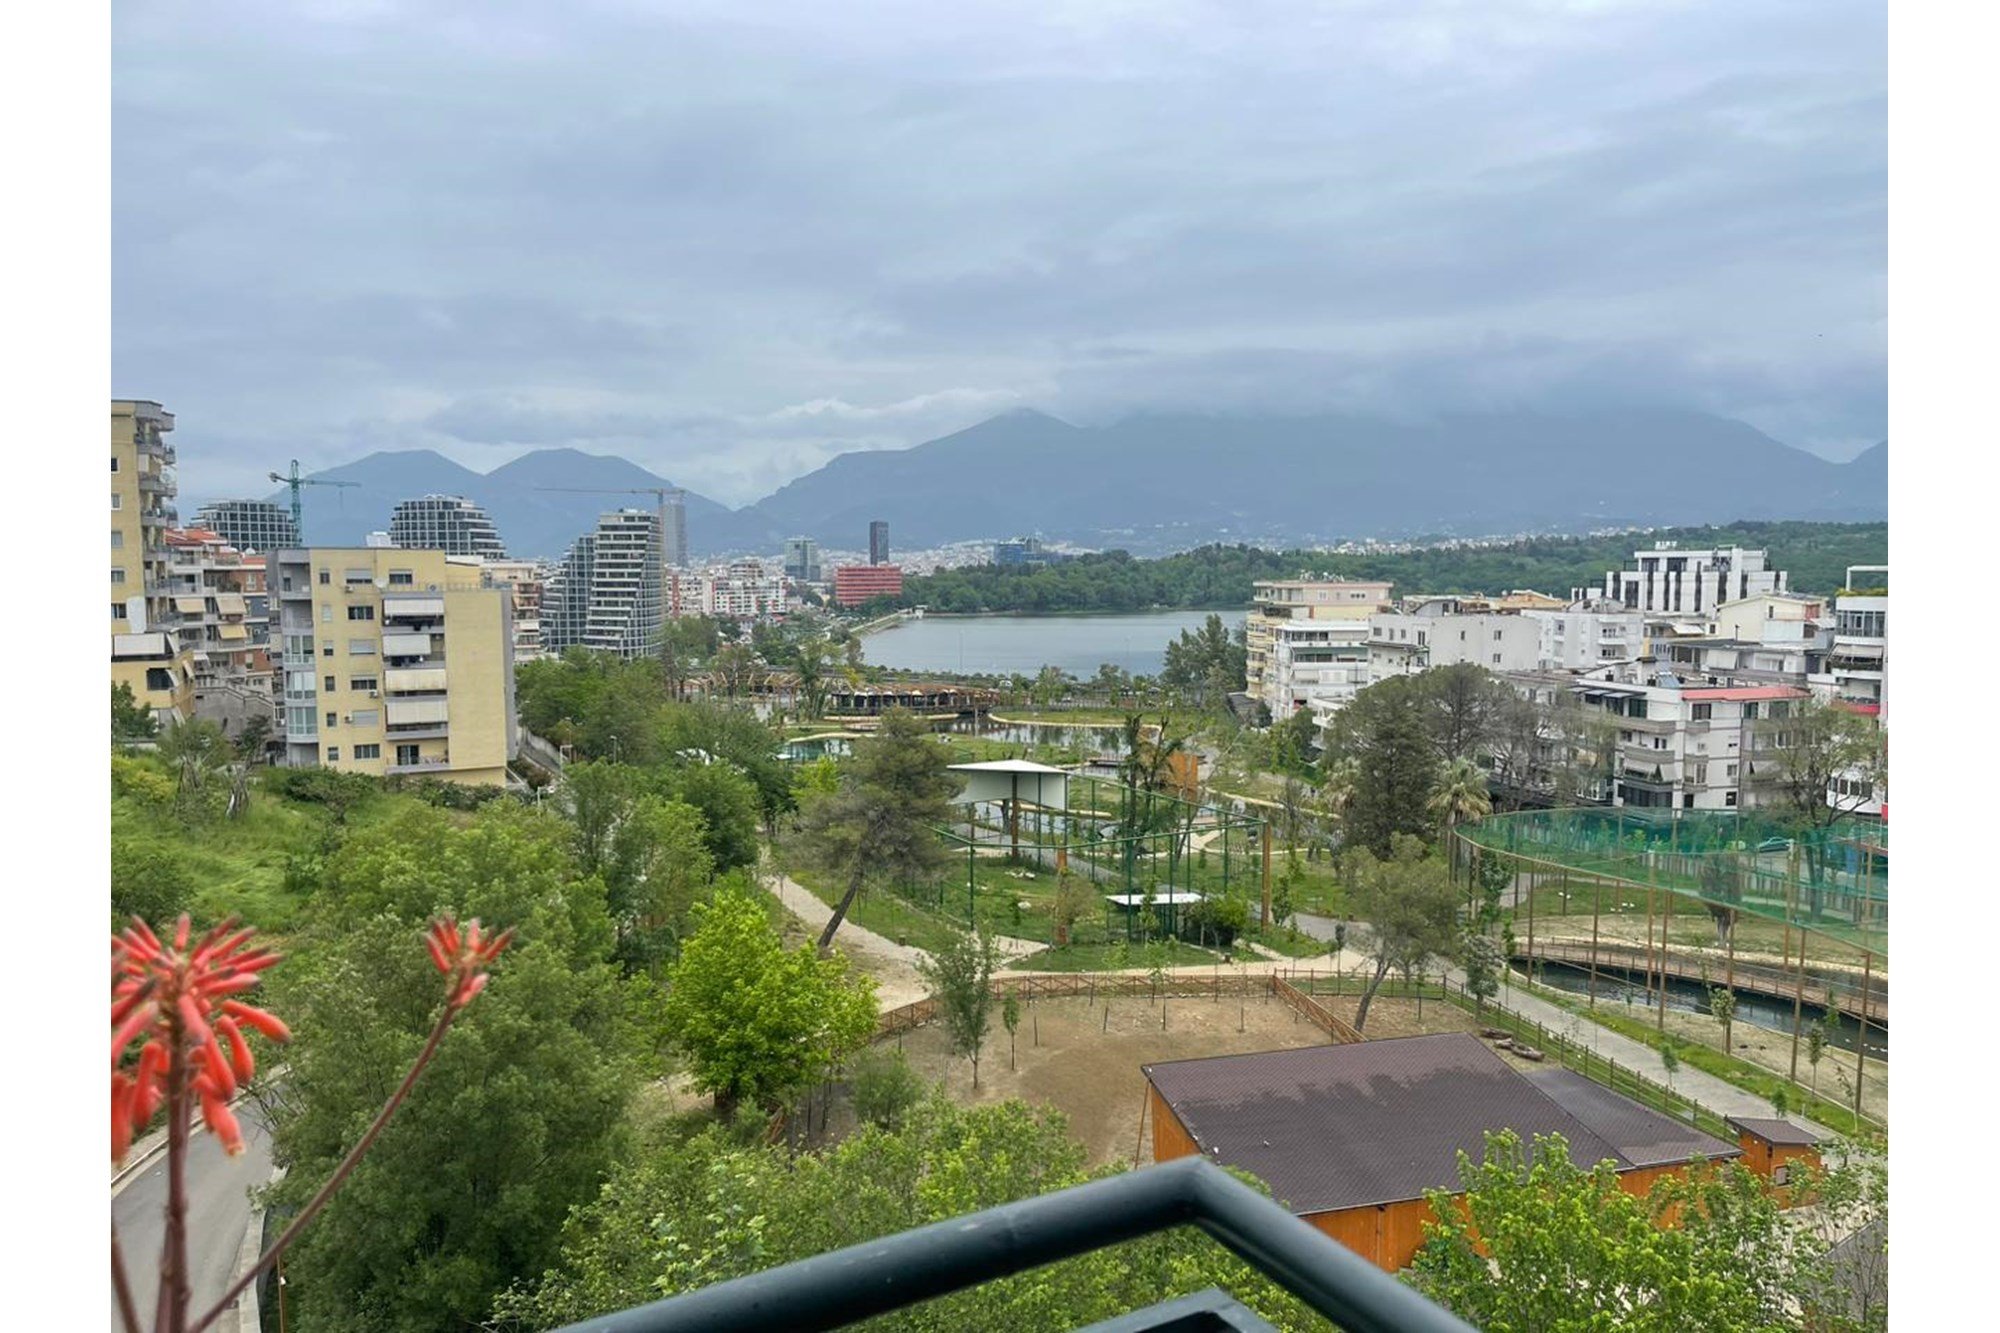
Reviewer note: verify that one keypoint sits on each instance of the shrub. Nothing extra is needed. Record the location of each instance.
(884, 1087)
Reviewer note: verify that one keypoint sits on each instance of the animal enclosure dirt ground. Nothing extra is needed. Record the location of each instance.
(1087, 1065)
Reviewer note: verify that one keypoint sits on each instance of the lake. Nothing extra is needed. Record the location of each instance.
(1002, 645)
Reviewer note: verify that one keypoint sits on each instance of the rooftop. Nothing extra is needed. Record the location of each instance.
(1374, 1122)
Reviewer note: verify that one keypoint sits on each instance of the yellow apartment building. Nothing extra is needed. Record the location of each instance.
(1284, 604)
(394, 662)
(146, 652)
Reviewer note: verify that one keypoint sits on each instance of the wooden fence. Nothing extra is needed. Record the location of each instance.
(1033, 986)
(1776, 983)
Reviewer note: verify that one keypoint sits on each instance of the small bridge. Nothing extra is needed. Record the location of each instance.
(1842, 992)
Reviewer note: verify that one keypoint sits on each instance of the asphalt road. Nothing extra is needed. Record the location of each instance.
(218, 1210)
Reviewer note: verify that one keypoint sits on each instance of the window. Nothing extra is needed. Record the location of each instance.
(159, 678)
(332, 684)
(367, 752)
(326, 576)
(359, 648)
(1659, 742)
(360, 613)
(118, 610)
(1781, 1174)
(1701, 775)
(332, 720)
(1780, 709)
(326, 651)
(1687, 801)
(1750, 712)
(117, 574)
(401, 578)
(1496, 659)
(1729, 798)
(114, 462)
(333, 754)
(326, 615)
(362, 683)
(407, 754)
(117, 539)
(1496, 636)
(1729, 771)
(1703, 712)
(365, 717)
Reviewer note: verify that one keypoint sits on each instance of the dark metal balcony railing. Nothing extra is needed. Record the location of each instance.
(831, 1290)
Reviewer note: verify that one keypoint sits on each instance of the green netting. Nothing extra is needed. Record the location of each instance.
(1833, 881)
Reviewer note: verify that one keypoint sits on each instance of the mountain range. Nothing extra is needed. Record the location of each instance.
(1156, 483)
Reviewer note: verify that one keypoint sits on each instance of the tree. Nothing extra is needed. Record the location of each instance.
(1480, 956)
(1670, 1059)
(1338, 778)
(812, 663)
(194, 751)
(1460, 795)
(1383, 731)
(131, 720)
(960, 977)
(884, 1087)
(1722, 1006)
(880, 826)
(1825, 755)
(1074, 896)
(756, 1021)
(707, 1209)
(1538, 1242)
(251, 739)
(1816, 1040)
(1411, 908)
(736, 669)
(1205, 664)
(149, 879)
(658, 868)
(1463, 706)
(1010, 1018)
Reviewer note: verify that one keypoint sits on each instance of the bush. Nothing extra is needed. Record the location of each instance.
(1217, 920)
(148, 880)
(338, 792)
(442, 794)
(141, 781)
(884, 1087)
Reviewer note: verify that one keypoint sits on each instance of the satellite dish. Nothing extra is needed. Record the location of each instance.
(382, 581)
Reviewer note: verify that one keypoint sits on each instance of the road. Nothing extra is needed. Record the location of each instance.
(218, 1210)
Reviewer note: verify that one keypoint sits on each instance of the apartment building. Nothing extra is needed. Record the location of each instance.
(608, 592)
(1685, 745)
(1438, 633)
(395, 662)
(1590, 633)
(250, 525)
(747, 590)
(524, 581)
(146, 653)
(448, 523)
(218, 592)
(1857, 674)
(1318, 627)
(1777, 617)
(855, 584)
(1668, 580)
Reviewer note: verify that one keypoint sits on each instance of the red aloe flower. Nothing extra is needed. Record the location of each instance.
(174, 999)
(464, 956)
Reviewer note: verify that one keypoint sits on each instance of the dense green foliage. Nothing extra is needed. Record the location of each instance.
(1205, 664)
(758, 1022)
(708, 1209)
(1410, 905)
(521, 1115)
(129, 720)
(959, 976)
(1541, 1244)
(1816, 554)
(1384, 733)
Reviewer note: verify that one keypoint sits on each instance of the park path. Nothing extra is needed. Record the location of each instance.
(893, 965)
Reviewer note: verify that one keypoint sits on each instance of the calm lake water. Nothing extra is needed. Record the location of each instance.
(1004, 644)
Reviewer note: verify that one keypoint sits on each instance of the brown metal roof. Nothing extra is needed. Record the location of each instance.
(1642, 1136)
(1370, 1122)
(1775, 1131)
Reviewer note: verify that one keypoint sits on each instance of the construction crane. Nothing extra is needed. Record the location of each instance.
(668, 554)
(294, 482)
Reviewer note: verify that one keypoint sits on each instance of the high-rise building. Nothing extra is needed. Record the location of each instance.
(146, 653)
(878, 542)
(675, 538)
(250, 525)
(802, 560)
(395, 662)
(448, 523)
(607, 593)
(855, 584)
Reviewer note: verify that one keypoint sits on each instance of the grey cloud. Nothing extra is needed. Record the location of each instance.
(488, 227)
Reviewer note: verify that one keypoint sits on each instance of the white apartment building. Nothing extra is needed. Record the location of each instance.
(1676, 744)
(1778, 617)
(1857, 674)
(1670, 581)
(448, 523)
(608, 592)
(1589, 634)
(744, 590)
(1445, 631)
(1318, 627)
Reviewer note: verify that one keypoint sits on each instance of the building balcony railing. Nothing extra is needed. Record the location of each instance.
(421, 731)
(846, 1286)
(426, 765)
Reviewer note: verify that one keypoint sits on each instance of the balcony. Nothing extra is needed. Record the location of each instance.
(846, 1286)
(432, 766)
(426, 731)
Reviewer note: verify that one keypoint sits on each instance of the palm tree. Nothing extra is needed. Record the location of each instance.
(1460, 795)
(1336, 790)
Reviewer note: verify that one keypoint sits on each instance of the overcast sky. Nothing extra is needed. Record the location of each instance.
(730, 240)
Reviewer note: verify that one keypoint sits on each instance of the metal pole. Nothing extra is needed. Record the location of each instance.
(1666, 922)
(1798, 977)
(1596, 904)
(1861, 1036)
(1265, 919)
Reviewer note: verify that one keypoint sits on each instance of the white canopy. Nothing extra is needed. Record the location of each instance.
(1138, 900)
(1014, 780)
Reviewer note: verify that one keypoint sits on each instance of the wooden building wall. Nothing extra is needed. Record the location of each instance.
(1170, 1139)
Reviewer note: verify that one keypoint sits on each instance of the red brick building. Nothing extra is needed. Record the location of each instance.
(855, 584)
